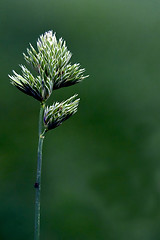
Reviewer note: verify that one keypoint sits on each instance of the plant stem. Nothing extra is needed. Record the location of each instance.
(38, 177)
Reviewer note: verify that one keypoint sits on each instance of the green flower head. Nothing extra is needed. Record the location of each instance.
(56, 114)
(51, 61)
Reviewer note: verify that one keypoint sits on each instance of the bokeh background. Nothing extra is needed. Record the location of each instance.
(101, 168)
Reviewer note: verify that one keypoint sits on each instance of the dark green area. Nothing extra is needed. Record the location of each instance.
(101, 168)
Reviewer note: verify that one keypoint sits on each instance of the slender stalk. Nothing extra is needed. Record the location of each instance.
(38, 177)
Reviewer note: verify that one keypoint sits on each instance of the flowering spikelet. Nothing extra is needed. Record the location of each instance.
(37, 87)
(52, 63)
(56, 114)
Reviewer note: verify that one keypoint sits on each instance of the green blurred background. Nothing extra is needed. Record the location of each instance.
(101, 168)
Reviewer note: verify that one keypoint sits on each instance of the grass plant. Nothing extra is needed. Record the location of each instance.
(54, 70)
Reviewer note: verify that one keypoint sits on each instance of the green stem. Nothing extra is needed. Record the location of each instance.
(38, 177)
